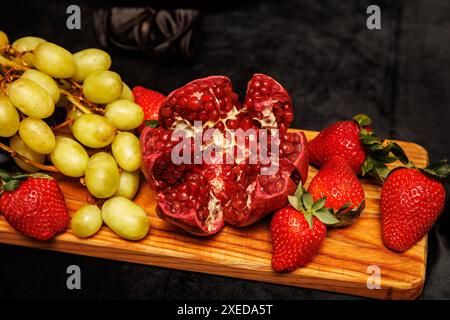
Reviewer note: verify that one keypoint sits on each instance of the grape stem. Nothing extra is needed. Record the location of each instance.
(63, 124)
(75, 102)
(10, 63)
(28, 161)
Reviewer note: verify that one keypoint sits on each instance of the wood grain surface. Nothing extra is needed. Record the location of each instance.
(341, 265)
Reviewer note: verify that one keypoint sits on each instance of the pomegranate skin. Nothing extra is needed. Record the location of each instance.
(188, 222)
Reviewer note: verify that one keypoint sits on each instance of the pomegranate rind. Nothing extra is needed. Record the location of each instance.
(186, 221)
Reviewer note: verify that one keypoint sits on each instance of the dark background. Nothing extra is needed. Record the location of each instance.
(333, 67)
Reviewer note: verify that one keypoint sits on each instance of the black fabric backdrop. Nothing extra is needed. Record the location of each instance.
(333, 67)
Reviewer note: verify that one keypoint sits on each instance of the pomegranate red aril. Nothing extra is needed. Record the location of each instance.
(206, 97)
(194, 103)
(210, 107)
(287, 148)
(218, 92)
(288, 117)
(160, 145)
(166, 111)
(200, 198)
(172, 102)
(257, 84)
(182, 196)
(179, 93)
(232, 124)
(168, 122)
(203, 116)
(183, 102)
(220, 126)
(264, 90)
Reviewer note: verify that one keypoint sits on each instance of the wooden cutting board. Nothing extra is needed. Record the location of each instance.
(342, 265)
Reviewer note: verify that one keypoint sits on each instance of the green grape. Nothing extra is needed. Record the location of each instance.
(3, 41)
(19, 146)
(54, 60)
(102, 175)
(37, 135)
(86, 221)
(9, 118)
(31, 99)
(127, 94)
(27, 44)
(102, 87)
(69, 157)
(45, 82)
(124, 114)
(128, 184)
(125, 218)
(93, 130)
(88, 61)
(127, 151)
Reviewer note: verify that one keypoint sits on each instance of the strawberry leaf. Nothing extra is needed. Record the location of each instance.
(363, 120)
(344, 207)
(439, 170)
(319, 204)
(347, 217)
(387, 159)
(368, 139)
(151, 123)
(307, 201)
(5, 176)
(309, 218)
(295, 202)
(378, 154)
(20, 176)
(381, 170)
(367, 165)
(299, 192)
(11, 185)
(326, 217)
(399, 153)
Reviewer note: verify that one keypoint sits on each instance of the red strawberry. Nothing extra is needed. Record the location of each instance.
(34, 206)
(411, 201)
(338, 183)
(341, 138)
(150, 101)
(298, 231)
(354, 141)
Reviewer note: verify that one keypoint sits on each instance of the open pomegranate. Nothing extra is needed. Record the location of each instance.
(200, 197)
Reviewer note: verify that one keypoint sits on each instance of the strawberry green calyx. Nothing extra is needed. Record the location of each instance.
(11, 181)
(303, 202)
(347, 217)
(363, 120)
(439, 171)
(378, 152)
(151, 123)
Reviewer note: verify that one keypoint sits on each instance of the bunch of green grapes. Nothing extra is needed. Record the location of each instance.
(96, 143)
